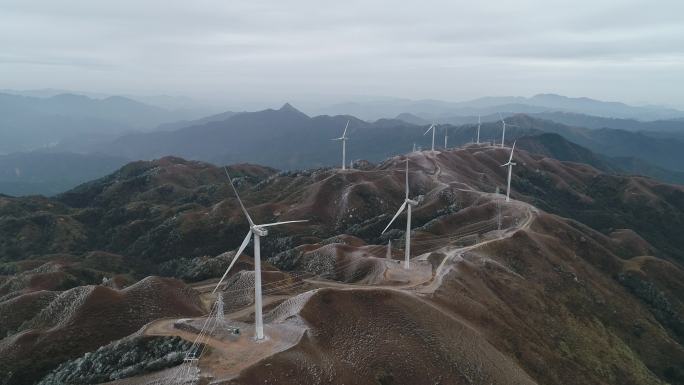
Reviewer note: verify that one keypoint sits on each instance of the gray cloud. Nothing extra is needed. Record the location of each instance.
(303, 50)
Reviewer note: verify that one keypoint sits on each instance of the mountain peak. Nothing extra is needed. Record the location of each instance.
(288, 107)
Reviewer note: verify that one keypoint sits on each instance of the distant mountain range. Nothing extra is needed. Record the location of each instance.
(657, 128)
(557, 147)
(81, 138)
(661, 152)
(51, 173)
(436, 109)
(285, 139)
(70, 121)
(304, 141)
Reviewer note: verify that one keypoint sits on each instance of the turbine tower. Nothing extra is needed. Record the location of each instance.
(503, 133)
(432, 127)
(446, 135)
(408, 203)
(258, 231)
(510, 165)
(344, 138)
(478, 129)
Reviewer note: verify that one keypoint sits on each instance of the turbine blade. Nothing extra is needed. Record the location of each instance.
(512, 149)
(237, 255)
(344, 134)
(403, 206)
(282, 223)
(428, 130)
(244, 210)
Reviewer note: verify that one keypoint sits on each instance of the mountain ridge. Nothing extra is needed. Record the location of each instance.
(434, 109)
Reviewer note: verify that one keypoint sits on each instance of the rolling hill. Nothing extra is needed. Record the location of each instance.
(578, 281)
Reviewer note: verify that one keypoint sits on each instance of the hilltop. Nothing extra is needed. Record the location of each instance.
(575, 286)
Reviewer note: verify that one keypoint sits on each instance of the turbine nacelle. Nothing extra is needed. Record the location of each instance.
(260, 231)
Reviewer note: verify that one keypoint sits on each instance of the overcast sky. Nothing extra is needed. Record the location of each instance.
(271, 51)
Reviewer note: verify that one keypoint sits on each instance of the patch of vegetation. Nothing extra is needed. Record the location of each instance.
(121, 359)
(595, 347)
(661, 307)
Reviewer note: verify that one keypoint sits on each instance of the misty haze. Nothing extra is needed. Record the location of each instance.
(341, 193)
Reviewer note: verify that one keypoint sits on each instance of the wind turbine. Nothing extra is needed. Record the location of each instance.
(478, 129)
(258, 231)
(344, 138)
(510, 165)
(446, 135)
(408, 203)
(432, 127)
(503, 133)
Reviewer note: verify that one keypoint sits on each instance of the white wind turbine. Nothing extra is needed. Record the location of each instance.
(432, 127)
(258, 231)
(408, 203)
(344, 138)
(446, 135)
(478, 129)
(503, 133)
(510, 165)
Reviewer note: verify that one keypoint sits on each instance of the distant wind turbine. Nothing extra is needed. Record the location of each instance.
(344, 138)
(478, 129)
(510, 165)
(258, 231)
(446, 135)
(503, 133)
(432, 127)
(408, 203)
